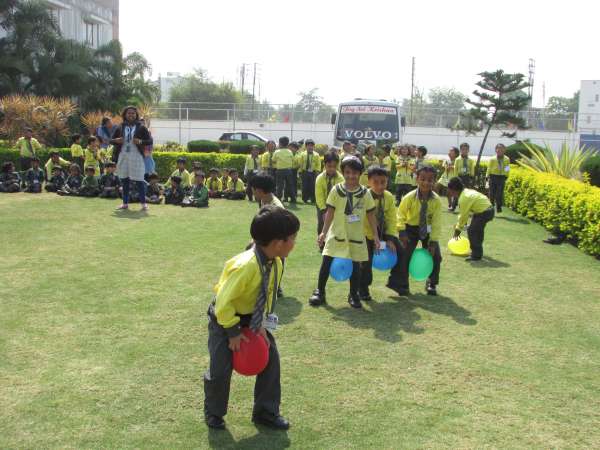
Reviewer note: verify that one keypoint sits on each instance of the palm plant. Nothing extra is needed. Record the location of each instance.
(566, 164)
(93, 119)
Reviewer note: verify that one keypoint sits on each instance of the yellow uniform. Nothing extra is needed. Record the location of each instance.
(404, 171)
(239, 286)
(224, 182)
(283, 158)
(252, 165)
(346, 237)
(214, 185)
(266, 161)
(28, 149)
(409, 213)
(500, 167)
(448, 172)
(76, 151)
(368, 162)
(387, 163)
(236, 186)
(385, 213)
(50, 166)
(471, 202)
(91, 159)
(309, 162)
(323, 186)
(464, 167)
(186, 180)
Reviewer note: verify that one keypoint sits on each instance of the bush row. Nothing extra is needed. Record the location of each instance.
(165, 161)
(592, 168)
(559, 204)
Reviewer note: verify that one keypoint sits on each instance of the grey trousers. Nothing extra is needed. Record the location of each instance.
(217, 379)
(476, 231)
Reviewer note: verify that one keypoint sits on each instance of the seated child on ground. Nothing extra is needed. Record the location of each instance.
(236, 190)
(109, 183)
(155, 190)
(181, 172)
(89, 185)
(10, 181)
(174, 193)
(198, 198)
(263, 186)
(213, 184)
(225, 178)
(73, 183)
(56, 181)
(34, 177)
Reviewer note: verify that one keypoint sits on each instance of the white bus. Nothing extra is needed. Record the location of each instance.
(372, 121)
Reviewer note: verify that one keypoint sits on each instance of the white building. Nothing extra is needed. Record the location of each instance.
(166, 83)
(94, 22)
(588, 120)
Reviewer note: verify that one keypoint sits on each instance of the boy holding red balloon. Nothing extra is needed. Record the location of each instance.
(385, 214)
(349, 206)
(242, 315)
(419, 219)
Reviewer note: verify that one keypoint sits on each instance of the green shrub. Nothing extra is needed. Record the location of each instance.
(202, 146)
(170, 146)
(242, 147)
(592, 168)
(514, 151)
(13, 155)
(559, 204)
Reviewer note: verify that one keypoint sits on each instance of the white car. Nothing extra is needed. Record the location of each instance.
(243, 136)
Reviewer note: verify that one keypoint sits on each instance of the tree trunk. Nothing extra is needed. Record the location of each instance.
(487, 132)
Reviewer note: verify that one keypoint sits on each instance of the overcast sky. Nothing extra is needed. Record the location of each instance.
(363, 49)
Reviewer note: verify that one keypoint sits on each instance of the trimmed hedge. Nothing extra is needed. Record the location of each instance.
(559, 204)
(203, 146)
(592, 167)
(166, 162)
(241, 147)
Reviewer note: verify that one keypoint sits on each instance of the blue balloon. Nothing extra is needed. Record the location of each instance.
(385, 260)
(341, 269)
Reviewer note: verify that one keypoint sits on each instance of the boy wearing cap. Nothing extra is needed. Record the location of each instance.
(283, 158)
(246, 296)
(182, 173)
(471, 202)
(34, 177)
(309, 164)
(251, 168)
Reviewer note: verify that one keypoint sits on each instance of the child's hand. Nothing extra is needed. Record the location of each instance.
(118, 140)
(456, 234)
(137, 141)
(391, 246)
(321, 240)
(376, 244)
(235, 342)
(263, 333)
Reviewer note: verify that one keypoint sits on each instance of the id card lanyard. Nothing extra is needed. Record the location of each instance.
(265, 283)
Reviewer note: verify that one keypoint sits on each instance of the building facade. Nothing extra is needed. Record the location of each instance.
(93, 22)
(588, 120)
(166, 83)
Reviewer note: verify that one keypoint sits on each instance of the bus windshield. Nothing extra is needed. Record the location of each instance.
(368, 122)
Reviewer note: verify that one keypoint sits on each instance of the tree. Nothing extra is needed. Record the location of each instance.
(312, 107)
(141, 89)
(497, 105)
(563, 105)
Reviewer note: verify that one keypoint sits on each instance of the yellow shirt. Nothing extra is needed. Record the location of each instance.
(386, 163)
(323, 186)
(470, 202)
(239, 286)
(404, 170)
(346, 237)
(266, 161)
(91, 160)
(274, 202)
(238, 187)
(214, 185)
(448, 172)
(251, 164)
(309, 162)
(499, 166)
(385, 213)
(24, 149)
(76, 151)
(186, 179)
(463, 169)
(283, 158)
(409, 213)
(50, 166)
(224, 182)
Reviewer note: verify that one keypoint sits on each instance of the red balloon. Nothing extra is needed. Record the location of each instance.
(253, 355)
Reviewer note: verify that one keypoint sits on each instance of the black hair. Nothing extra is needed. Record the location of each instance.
(196, 163)
(225, 169)
(456, 184)
(35, 158)
(88, 168)
(176, 179)
(273, 223)
(75, 137)
(7, 166)
(53, 153)
(455, 150)
(387, 148)
(75, 166)
(294, 144)
(200, 174)
(465, 144)
(127, 108)
(426, 169)
(233, 170)
(105, 120)
(331, 157)
(110, 164)
(353, 163)
(376, 171)
(181, 160)
(57, 169)
(309, 142)
(423, 150)
(213, 170)
(284, 141)
(92, 139)
(153, 176)
(263, 182)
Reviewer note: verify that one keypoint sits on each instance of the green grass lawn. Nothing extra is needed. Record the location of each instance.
(103, 338)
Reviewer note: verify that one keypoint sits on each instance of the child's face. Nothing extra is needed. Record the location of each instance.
(378, 184)
(234, 176)
(54, 158)
(351, 176)
(425, 181)
(89, 173)
(452, 154)
(74, 172)
(35, 164)
(500, 151)
(225, 174)
(452, 193)
(214, 175)
(370, 151)
(259, 193)
(404, 151)
(284, 247)
(331, 168)
(181, 166)
(310, 148)
(419, 154)
(56, 172)
(153, 180)
(174, 184)
(199, 181)
(111, 169)
(464, 151)
(94, 144)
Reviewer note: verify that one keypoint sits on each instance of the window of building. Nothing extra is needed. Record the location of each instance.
(92, 34)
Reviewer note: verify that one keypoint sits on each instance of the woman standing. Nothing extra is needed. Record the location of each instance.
(130, 140)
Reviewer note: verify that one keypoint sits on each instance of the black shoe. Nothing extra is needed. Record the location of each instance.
(499, 209)
(365, 297)
(471, 259)
(553, 240)
(317, 299)
(430, 288)
(277, 423)
(215, 422)
(354, 301)
(280, 293)
(402, 292)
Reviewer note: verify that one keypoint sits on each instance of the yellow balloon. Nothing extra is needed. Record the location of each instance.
(460, 246)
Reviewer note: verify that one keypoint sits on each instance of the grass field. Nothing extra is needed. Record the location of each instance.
(103, 338)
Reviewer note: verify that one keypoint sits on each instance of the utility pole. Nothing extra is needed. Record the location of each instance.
(531, 81)
(243, 76)
(253, 87)
(412, 90)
